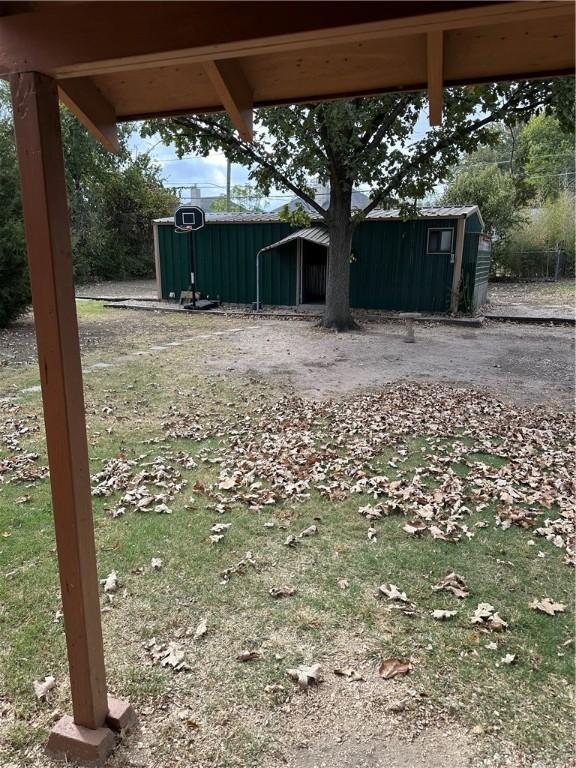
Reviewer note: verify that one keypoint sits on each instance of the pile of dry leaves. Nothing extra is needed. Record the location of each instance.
(288, 449)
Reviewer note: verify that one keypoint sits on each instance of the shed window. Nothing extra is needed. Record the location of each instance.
(439, 241)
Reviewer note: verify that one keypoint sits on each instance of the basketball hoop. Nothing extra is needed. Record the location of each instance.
(187, 219)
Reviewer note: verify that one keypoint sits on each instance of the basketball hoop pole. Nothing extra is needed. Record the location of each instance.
(192, 267)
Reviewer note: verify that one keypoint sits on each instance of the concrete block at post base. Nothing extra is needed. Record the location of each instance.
(121, 717)
(85, 746)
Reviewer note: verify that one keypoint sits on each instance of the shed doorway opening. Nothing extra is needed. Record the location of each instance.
(313, 260)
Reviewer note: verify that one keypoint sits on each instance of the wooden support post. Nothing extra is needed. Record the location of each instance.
(435, 63)
(457, 272)
(38, 139)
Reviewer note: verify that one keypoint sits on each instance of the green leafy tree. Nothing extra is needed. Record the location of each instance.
(363, 142)
(548, 156)
(14, 290)
(111, 199)
(495, 193)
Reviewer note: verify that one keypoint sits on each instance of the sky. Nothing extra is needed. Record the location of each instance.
(209, 173)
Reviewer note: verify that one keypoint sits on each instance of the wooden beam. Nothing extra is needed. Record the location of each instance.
(457, 271)
(95, 113)
(435, 62)
(38, 139)
(234, 92)
(75, 39)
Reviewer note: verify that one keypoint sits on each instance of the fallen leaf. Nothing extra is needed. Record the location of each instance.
(415, 526)
(220, 527)
(441, 615)
(394, 667)
(156, 564)
(510, 658)
(249, 656)
(487, 616)
(453, 583)
(350, 673)
(306, 676)
(201, 629)
(343, 583)
(110, 583)
(547, 605)
(392, 592)
(286, 590)
(174, 658)
(291, 541)
(42, 687)
(312, 530)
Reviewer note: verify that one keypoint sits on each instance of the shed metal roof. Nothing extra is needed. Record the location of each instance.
(318, 235)
(452, 212)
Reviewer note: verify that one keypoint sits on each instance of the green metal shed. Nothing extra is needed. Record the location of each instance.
(436, 262)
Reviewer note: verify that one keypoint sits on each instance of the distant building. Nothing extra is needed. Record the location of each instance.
(322, 196)
(193, 196)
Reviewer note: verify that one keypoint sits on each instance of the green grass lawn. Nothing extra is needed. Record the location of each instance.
(526, 704)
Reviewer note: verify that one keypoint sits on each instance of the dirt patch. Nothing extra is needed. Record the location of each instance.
(558, 293)
(136, 289)
(528, 365)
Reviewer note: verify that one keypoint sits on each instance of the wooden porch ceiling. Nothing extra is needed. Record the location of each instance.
(126, 60)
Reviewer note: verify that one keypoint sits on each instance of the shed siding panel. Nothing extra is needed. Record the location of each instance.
(392, 271)
(225, 260)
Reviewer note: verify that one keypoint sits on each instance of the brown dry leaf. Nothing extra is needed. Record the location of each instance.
(372, 534)
(394, 667)
(286, 590)
(227, 484)
(43, 687)
(547, 605)
(343, 584)
(453, 583)
(110, 584)
(23, 499)
(350, 673)
(174, 658)
(220, 528)
(487, 617)
(312, 530)
(156, 563)
(239, 568)
(201, 629)
(510, 658)
(291, 541)
(306, 676)
(441, 615)
(169, 655)
(249, 656)
(415, 526)
(392, 592)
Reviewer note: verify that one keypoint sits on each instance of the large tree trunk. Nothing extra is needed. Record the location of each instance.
(340, 229)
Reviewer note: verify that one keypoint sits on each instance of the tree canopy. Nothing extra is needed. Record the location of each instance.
(366, 143)
(111, 198)
(524, 185)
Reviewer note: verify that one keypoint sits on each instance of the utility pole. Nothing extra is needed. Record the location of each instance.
(228, 180)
